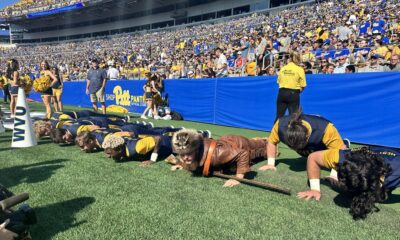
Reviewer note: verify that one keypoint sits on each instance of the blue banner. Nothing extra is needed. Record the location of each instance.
(55, 10)
(364, 107)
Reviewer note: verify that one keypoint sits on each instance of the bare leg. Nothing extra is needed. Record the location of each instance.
(13, 103)
(60, 105)
(103, 108)
(47, 102)
(55, 103)
(94, 105)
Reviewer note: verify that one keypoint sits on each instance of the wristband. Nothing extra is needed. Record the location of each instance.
(334, 174)
(314, 185)
(271, 161)
(154, 157)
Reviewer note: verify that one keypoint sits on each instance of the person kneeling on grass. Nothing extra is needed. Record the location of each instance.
(304, 134)
(129, 148)
(84, 114)
(90, 141)
(367, 174)
(198, 154)
(93, 140)
(154, 131)
(66, 131)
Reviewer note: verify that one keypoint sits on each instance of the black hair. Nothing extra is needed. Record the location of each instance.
(12, 66)
(351, 68)
(307, 65)
(360, 175)
(57, 134)
(46, 65)
(296, 135)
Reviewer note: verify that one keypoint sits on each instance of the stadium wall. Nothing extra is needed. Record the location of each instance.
(156, 18)
(364, 107)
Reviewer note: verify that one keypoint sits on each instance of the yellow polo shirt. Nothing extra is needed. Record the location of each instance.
(292, 76)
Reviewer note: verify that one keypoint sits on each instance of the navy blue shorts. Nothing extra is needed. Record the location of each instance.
(14, 90)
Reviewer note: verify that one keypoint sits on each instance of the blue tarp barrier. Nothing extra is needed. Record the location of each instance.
(364, 107)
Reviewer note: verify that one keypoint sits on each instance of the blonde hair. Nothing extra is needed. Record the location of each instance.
(39, 125)
(295, 57)
(112, 142)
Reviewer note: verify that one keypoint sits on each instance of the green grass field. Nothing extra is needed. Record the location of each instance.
(87, 196)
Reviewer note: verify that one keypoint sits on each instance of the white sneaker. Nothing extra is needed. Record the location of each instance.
(143, 117)
(156, 117)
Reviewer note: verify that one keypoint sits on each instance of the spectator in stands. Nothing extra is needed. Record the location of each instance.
(112, 73)
(350, 69)
(307, 67)
(342, 64)
(96, 84)
(291, 81)
(244, 48)
(221, 64)
(380, 50)
(374, 65)
(330, 69)
(323, 66)
(394, 65)
(270, 71)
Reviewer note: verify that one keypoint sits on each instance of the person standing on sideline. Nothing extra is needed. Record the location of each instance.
(291, 81)
(57, 88)
(13, 78)
(96, 84)
(48, 94)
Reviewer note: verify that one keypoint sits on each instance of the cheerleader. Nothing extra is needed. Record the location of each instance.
(57, 89)
(14, 82)
(150, 90)
(47, 95)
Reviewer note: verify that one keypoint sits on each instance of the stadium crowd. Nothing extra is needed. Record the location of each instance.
(331, 36)
(28, 6)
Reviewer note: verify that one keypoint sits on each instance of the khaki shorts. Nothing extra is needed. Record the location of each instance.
(98, 96)
(57, 92)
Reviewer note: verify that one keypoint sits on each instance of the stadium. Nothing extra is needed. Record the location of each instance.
(199, 119)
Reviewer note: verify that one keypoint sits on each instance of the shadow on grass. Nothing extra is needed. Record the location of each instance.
(59, 217)
(343, 200)
(295, 164)
(30, 173)
(47, 141)
(392, 198)
(5, 140)
(6, 149)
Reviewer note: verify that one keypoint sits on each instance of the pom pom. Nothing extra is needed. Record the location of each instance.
(42, 84)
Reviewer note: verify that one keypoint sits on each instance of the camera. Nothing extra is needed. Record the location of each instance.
(20, 219)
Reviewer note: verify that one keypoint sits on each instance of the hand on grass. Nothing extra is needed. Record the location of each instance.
(231, 183)
(146, 163)
(310, 194)
(6, 234)
(267, 167)
(176, 167)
